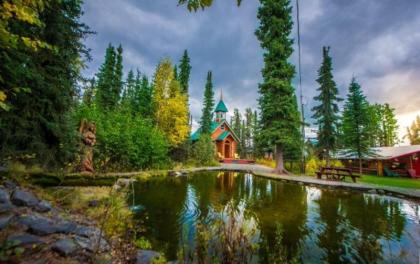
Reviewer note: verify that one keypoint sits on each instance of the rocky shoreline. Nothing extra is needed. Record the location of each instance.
(33, 231)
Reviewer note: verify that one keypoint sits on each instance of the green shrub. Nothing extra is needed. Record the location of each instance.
(314, 164)
(125, 141)
(203, 152)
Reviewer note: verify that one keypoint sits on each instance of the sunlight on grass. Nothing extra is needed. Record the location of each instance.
(387, 181)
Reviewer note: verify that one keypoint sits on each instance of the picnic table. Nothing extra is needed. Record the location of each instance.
(336, 174)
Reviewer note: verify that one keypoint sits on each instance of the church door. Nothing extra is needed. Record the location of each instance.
(227, 150)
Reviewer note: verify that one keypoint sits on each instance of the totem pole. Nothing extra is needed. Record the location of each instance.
(87, 131)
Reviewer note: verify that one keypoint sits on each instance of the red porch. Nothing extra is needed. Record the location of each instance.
(237, 161)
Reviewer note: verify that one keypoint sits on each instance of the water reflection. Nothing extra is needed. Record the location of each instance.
(292, 222)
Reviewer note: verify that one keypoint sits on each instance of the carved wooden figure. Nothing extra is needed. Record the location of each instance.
(88, 132)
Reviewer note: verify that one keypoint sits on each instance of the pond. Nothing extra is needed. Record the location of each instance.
(229, 216)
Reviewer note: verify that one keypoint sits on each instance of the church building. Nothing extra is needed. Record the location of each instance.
(224, 138)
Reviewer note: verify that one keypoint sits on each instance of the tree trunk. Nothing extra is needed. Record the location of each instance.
(327, 158)
(279, 160)
(360, 167)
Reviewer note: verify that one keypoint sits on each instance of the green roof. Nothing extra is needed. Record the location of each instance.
(196, 135)
(221, 107)
(223, 135)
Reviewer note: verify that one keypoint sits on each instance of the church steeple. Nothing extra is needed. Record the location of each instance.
(221, 109)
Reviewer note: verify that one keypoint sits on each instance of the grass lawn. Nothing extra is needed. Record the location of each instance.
(388, 181)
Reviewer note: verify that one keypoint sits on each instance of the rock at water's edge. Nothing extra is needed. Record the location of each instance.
(43, 206)
(64, 247)
(23, 198)
(9, 184)
(146, 256)
(4, 196)
(25, 239)
(5, 220)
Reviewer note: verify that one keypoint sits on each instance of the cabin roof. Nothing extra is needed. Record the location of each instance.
(221, 107)
(381, 153)
(222, 136)
(214, 125)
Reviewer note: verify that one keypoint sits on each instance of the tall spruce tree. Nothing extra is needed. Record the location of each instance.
(118, 76)
(280, 118)
(248, 131)
(105, 78)
(326, 112)
(143, 96)
(389, 126)
(208, 105)
(40, 64)
(355, 124)
(184, 72)
(128, 98)
(236, 122)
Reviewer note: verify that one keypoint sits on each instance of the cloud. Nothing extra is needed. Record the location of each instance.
(377, 41)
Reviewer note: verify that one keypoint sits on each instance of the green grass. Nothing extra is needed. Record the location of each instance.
(388, 181)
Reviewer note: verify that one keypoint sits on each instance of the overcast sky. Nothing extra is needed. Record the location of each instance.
(377, 41)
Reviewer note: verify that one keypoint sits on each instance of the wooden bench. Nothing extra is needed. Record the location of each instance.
(336, 174)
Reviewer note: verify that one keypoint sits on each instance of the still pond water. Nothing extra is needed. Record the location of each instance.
(280, 222)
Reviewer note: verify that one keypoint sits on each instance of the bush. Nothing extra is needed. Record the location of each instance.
(203, 152)
(267, 162)
(124, 141)
(314, 164)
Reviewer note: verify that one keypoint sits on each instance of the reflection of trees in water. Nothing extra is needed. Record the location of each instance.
(352, 224)
(334, 238)
(281, 210)
(355, 223)
(231, 238)
(373, 218)
(163, 200)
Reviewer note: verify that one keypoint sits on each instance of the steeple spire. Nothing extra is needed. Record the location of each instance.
(221, 94)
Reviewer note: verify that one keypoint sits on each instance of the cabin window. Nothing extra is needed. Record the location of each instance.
(222, 127)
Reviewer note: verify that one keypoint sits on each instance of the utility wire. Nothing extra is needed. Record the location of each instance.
(300, 86)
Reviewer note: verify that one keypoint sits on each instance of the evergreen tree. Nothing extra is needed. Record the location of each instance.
(208, 105)
(280, 119)
(255, 127)
(356, 123)
(118, 76)
(374, 125)
(237, 122)
(184, 72)
(40, 68)
(146, 97)
(143, 96)
(326, 113)
(248, 131)
(105, 78)
(382, 126)
(176, 73)
(128, 97)
(389, 126)
(89, 92)
(413, 132)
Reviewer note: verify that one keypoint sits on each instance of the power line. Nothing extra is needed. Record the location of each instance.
(300, 87)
